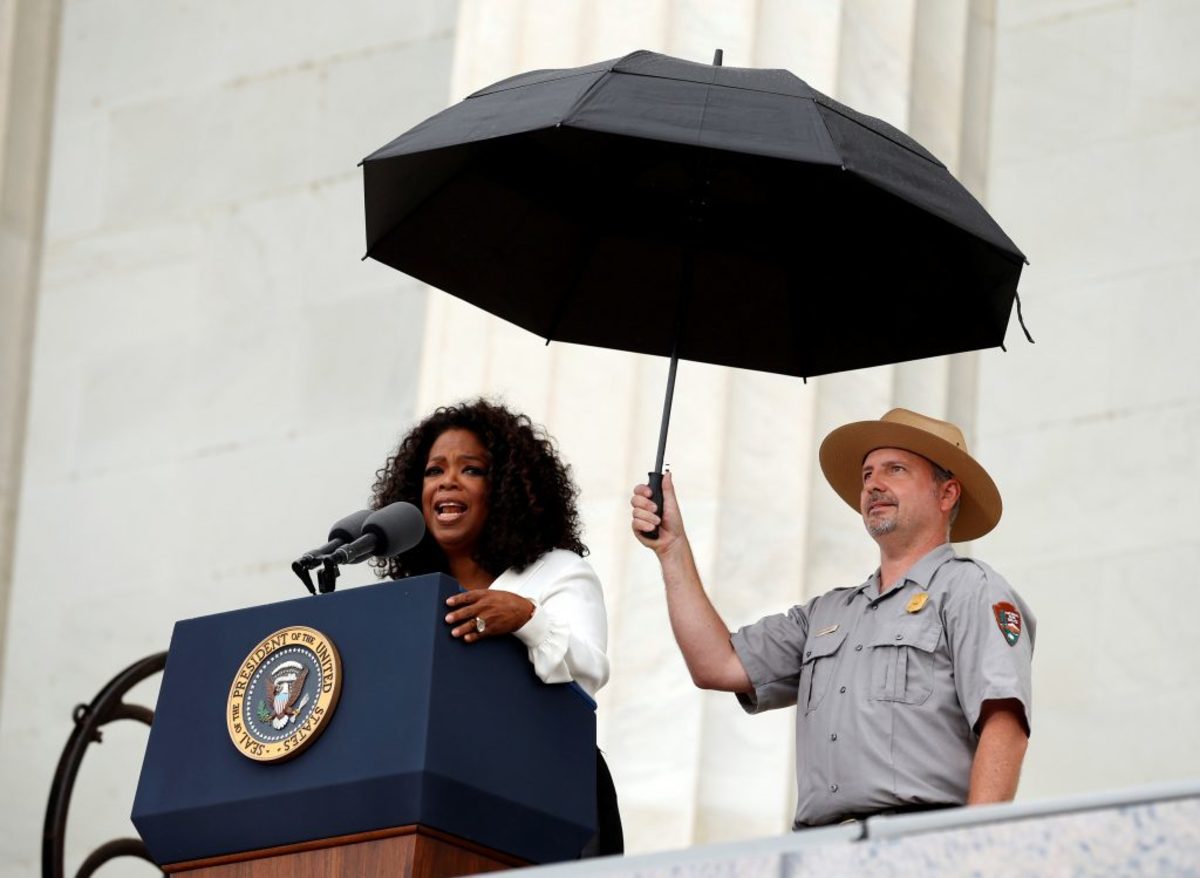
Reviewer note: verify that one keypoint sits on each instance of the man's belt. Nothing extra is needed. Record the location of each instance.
(858, 817)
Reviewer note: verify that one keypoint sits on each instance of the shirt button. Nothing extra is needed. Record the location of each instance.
(833, 737)
(899, 636)
(858, 648)
(807, 654)
(843, 690)
(833, 788)
(874, 606)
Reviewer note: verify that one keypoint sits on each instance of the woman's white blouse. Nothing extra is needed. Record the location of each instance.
(568, 633)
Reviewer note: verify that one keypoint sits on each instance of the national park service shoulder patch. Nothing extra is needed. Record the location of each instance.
(284, 694)
(1008, 618)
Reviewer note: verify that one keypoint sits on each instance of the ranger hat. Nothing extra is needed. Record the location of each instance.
(941, 442)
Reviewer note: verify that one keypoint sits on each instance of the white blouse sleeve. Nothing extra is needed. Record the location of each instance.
(568, 633)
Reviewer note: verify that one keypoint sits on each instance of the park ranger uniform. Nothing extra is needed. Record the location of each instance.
(888, 687)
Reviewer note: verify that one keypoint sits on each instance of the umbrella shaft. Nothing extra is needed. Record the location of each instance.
(666, 416)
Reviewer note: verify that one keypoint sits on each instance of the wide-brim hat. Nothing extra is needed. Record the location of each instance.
(844, 449)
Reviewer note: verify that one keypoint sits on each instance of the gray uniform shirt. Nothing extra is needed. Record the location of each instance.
(888, 687)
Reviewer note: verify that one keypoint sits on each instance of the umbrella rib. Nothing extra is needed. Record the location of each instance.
(495, 91)
(795, 318)
(582, 100)
(834, 107)
(708, 87)
(568, 297)
(730, 86)
(612, 68)
(1016, 257)
(392, 230)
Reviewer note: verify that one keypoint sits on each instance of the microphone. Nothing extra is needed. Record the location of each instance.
(389, 531)
(343, 531)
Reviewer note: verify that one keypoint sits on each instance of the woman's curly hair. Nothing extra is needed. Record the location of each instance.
(531, 497)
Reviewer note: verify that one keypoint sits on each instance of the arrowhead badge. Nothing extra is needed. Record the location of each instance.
(1008, 618)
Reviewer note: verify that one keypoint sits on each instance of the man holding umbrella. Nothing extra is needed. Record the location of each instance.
(913, 688)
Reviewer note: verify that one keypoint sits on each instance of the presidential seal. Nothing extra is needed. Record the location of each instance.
(284, 694)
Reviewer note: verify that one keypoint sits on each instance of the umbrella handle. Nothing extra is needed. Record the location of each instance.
(656, 477)
(656, 495)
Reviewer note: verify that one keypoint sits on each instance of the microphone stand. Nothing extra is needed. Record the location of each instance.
(327, 575)
(300, 570)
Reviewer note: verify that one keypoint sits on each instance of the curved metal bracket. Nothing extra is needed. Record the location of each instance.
(106, 707)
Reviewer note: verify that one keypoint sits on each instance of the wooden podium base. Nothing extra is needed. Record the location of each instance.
(416, 851)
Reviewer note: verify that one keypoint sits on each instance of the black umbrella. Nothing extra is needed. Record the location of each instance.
(725, 215)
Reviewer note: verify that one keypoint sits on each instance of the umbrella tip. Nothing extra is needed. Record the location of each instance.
(718, 57)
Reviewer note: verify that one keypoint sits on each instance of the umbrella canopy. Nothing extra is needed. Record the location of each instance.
(724, 215)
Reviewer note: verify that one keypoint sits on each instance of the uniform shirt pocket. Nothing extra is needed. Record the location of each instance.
(902, 660)
(817, 668)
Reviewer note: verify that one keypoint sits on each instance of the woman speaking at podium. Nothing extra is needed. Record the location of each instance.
(500, 517)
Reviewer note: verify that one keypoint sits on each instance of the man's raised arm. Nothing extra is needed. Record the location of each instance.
(702, 636)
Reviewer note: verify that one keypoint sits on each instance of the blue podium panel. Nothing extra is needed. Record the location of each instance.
(428, 730)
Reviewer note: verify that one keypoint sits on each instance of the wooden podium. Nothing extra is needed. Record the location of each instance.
(439, 758)
(406, 851)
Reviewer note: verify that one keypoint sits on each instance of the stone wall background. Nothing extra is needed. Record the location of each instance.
(214, 375)
(208, 388)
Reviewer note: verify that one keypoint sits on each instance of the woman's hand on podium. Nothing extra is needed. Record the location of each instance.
(482, 612)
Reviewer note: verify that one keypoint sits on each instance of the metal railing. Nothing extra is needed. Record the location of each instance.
(106, 707)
